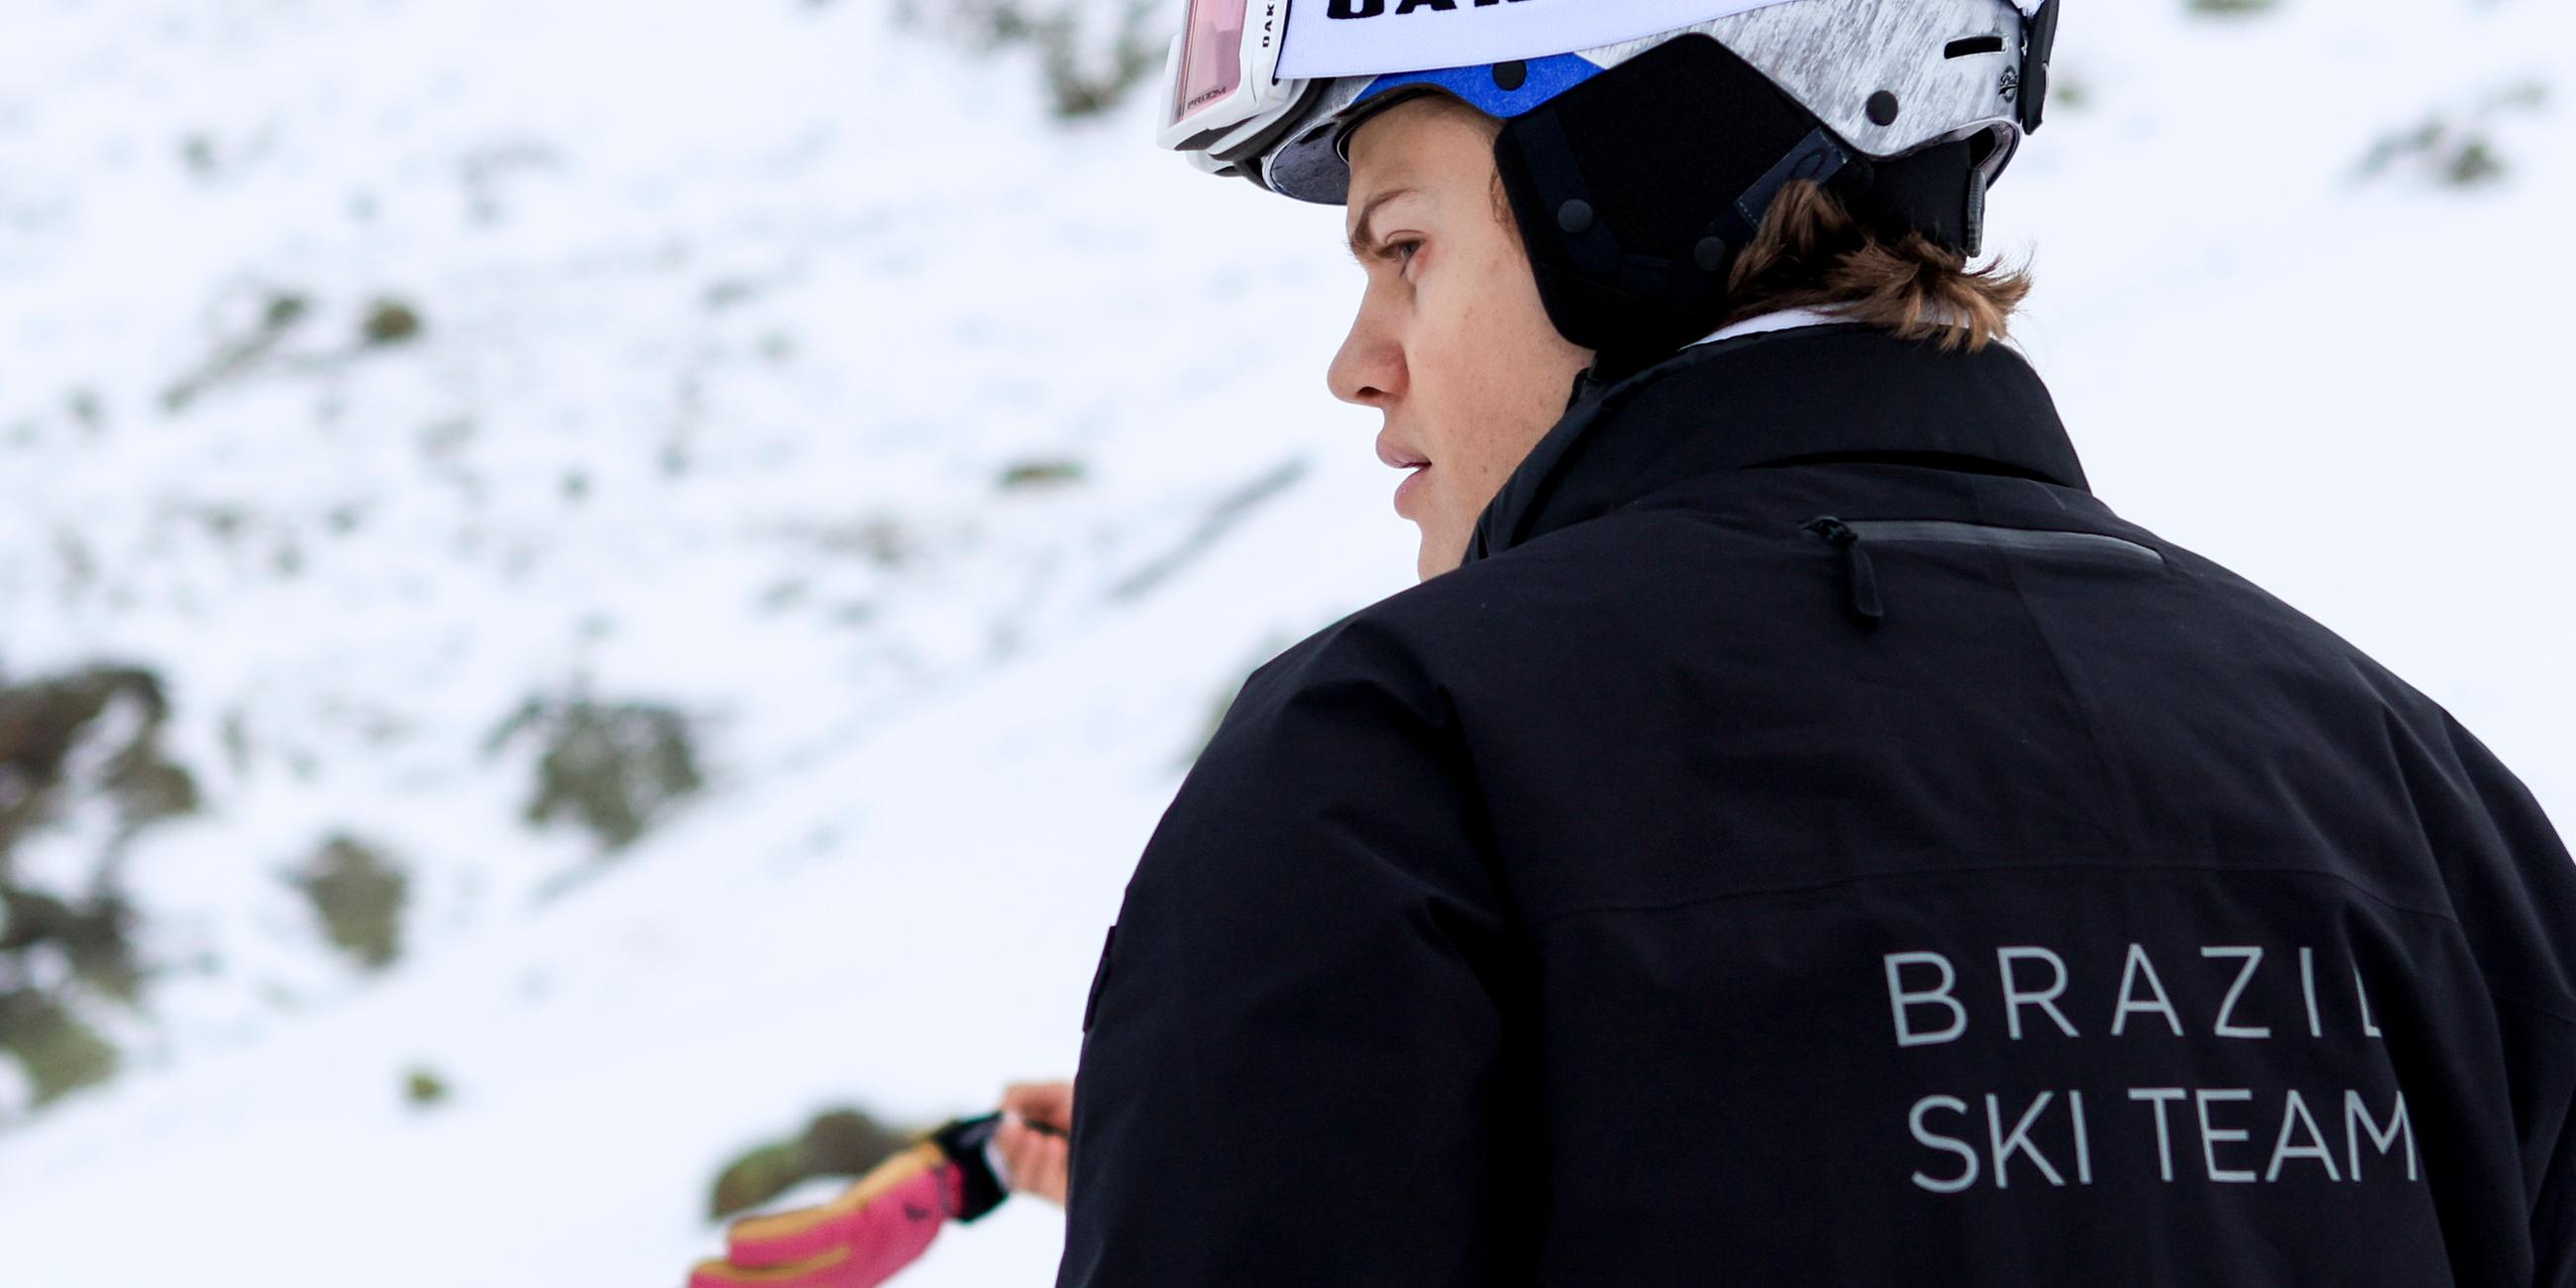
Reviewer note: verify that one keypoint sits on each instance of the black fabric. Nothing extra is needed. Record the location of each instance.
(1627, 906)
(1788, 395)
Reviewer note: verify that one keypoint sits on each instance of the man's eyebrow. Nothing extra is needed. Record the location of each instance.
(1360, 228)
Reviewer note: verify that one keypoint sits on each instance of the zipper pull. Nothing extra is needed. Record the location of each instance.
(1859, 578)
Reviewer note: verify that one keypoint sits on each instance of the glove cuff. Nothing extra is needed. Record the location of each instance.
(964, 1140)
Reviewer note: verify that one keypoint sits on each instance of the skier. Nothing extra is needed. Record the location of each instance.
(1795, 832)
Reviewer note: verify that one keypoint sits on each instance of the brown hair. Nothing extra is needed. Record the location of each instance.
(1812, 252)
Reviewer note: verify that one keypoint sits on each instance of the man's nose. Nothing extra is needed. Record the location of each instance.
(1369, 370)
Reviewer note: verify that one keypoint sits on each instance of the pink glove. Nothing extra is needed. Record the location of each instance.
(881, 1224)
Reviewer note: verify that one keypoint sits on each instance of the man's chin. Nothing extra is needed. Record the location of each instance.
(1438, 553)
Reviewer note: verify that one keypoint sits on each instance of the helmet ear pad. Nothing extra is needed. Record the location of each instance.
(1636, 191)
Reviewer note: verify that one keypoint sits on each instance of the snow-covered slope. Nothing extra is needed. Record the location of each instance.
(733, 313)
(731, 317)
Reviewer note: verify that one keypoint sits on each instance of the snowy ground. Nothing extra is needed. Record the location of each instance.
(718, 294)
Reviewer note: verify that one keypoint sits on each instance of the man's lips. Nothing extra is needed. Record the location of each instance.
(1412, 483)
(1401, 458)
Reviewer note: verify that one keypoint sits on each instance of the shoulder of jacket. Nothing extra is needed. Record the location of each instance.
(1417, 631)
(1402, 653)
(1417, 641)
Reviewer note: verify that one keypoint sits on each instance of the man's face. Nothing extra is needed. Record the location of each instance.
(1451, 342)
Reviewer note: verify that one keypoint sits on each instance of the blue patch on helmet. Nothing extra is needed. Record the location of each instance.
(1482, 85)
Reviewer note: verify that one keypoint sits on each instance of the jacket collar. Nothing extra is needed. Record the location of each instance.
(1844, 391)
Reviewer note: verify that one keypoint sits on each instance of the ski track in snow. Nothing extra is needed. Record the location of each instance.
(775, 280)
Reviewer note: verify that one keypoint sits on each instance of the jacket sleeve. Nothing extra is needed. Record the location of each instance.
(2553, 1206)
(1298, 1064)
(2513, 890)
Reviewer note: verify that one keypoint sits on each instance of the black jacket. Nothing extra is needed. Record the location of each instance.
(1813, 840)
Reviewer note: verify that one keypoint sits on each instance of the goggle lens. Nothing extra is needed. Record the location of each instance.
(1211, 56)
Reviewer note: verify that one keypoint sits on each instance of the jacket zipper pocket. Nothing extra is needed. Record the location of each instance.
(1861, 598)
(2034, 540)
(1860, 579)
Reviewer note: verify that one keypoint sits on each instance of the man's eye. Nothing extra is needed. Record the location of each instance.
(1402, 252)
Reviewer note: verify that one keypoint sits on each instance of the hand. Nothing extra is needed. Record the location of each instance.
(1035, 1138)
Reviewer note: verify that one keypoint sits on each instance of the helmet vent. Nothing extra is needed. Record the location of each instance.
(1973, 45)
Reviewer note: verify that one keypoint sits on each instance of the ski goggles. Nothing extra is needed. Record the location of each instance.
(1270, 89)
(1231, 105)
(1225, 102)
(1238, 101)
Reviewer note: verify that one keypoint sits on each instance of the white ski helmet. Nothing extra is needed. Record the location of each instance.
(1643, 140)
